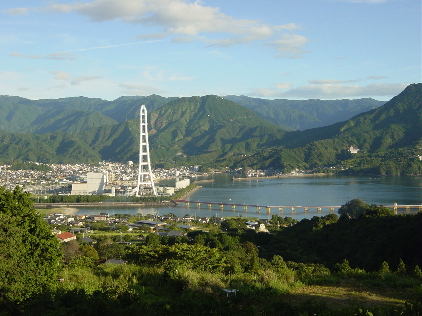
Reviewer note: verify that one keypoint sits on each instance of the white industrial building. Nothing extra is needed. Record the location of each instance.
(95, 183)
(181, 184)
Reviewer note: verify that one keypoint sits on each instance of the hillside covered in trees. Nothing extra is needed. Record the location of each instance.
(76, 114)
(305, 114)
(364, 265)
(215, 132)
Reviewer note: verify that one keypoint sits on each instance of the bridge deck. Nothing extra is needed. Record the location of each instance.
(394, 206)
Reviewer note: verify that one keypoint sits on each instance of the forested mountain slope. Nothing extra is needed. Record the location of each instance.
(306, 114)
(50, 115)
(203, 130)
(216, 132)
(392, 132)
(49, 148)
(72, 115)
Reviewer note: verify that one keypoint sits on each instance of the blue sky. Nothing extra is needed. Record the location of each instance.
(292, 49)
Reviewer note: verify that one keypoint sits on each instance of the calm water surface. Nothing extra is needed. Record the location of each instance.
(311, 191)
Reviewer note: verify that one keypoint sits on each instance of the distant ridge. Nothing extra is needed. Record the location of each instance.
(52, 115)
(306, 114)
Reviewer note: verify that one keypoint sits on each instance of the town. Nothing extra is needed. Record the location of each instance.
(106, 177)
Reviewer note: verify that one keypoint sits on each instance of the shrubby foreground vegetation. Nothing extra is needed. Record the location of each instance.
(372, 258)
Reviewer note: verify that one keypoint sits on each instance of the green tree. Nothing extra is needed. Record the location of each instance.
(384, 269)
(114, 251)
(102, 247)
(71, 250)
(191, 256)
(401, 268)
(377, 211)
(343, 268)
(233, 224)
(417, 272)
(354, 208)
(89, 251)
(30, 254)
(152, 240)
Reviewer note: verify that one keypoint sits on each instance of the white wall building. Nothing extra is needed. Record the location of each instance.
(94, 185)
(181, 184)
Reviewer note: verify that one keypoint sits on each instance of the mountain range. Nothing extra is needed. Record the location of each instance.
(217, 132)
(305, 114)
(80, 113)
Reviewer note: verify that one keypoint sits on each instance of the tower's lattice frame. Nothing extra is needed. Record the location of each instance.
(145, 184)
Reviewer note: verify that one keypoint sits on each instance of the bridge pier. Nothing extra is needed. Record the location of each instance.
(245, 208)
(257, 209)
(280, 210)
(331, 210)
(221, 206)
(198, 205)
(306, 209)
(319, 210)
(293, 210)
(268, 210)
(187, 204)
(233, 208)
(209, 206)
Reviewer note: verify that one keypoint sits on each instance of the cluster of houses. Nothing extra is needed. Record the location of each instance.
(80, 224)
(75, 221)
(86, 178)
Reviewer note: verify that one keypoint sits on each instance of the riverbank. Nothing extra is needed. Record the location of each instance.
(190, 192)
(72, 208)
(284, 176)
(96, 204)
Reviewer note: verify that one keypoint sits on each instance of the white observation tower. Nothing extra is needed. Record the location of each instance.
(145, 184)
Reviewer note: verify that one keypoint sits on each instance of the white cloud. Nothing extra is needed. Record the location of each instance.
(288, 26)
(330, 81)
(155, 75)
(290, 45)
(362, 1)
(264, 93)
(78, 80)
(336, 91)
(331, 91)
(138, 89)
(54, 56)
(101, 47)
(376, 77)
(271, 92)
(60, 75)
(178, 78)
(9, 75)
(185, 19)
(18, 11)
(66, 55)
(182, 39)
(149, 75)
(285, 85)
(152, 36)
(65, 77)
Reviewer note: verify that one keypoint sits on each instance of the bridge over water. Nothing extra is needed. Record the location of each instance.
(286, 209)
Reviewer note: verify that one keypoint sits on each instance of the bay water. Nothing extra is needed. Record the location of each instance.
(292, 193)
